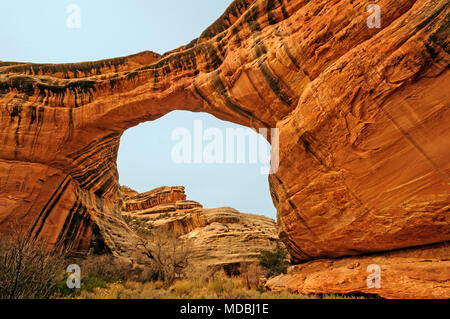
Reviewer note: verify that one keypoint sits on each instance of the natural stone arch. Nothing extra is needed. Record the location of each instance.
(327, 83)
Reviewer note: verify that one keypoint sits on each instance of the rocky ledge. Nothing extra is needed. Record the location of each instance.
(421, 272)
(363, 117)
(219, 237)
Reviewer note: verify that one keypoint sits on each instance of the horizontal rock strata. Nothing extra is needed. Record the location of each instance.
(148, 200)
(363, 117)
(219, 238)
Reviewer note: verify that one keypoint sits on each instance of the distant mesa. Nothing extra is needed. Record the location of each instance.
(159, 200)
(220, 237)
(364, 130)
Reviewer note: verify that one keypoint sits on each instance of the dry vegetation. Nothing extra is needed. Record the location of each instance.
(199, 286)
(28, 269)
(168, 255)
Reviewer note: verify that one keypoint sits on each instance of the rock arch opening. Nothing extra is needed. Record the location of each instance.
(178, 177)
(219, 163)
(358, 173)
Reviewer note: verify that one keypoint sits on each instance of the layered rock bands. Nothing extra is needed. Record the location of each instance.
(220, 238)
(363, 115)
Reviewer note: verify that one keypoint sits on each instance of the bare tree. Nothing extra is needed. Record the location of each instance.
(169, 254)
(29, 269)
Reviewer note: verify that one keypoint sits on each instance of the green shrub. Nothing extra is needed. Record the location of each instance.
(88, 283)
(274, 262)
(98, 272)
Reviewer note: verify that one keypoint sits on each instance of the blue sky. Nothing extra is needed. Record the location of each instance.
(36, 31)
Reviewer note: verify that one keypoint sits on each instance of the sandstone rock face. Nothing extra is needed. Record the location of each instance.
(363, 116)
(155, 202)
(219, 238)
(230, 238)
(153, 198)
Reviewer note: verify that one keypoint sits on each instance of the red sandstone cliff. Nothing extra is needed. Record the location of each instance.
(363, 117)
(219, 237)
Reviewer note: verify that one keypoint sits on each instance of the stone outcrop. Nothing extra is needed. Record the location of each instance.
(158, 201)
(219, 238)
(363, 117)
(409, 273)
(226, 238)
(145, 201)
(155, 202)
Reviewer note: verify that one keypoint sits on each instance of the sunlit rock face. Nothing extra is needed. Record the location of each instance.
(145, 201)
(219, 238)
(407, 273)
(363, 116)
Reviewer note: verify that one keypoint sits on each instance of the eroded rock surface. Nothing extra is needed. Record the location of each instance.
(219, 237)
(363, 114)
(412, 273)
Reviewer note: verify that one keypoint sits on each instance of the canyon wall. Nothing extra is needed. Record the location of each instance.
(218, 238)
(363, 115)
(153, 198)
